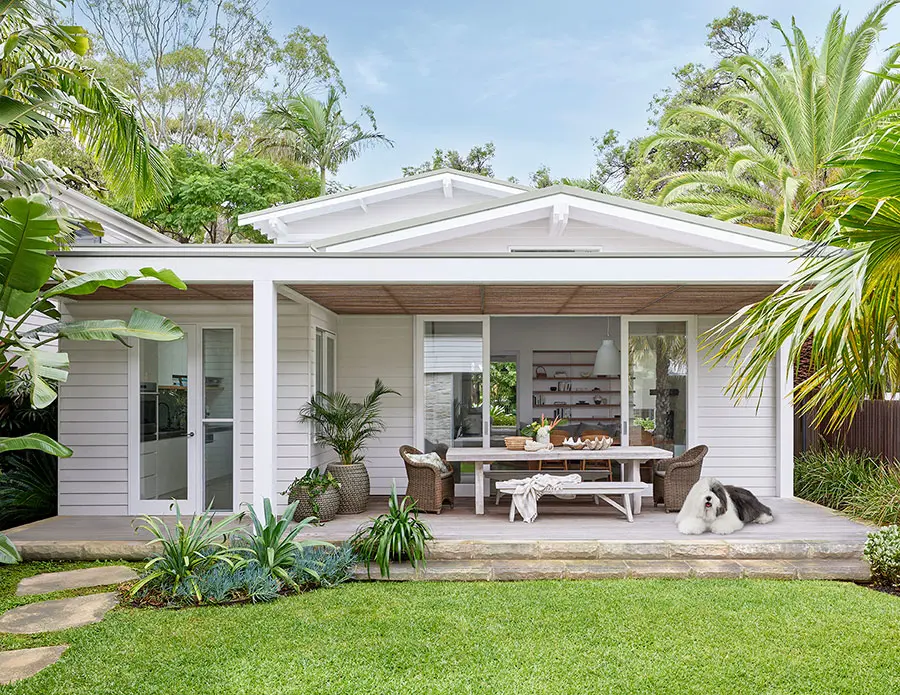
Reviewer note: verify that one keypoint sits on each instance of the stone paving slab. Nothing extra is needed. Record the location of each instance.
(19, 664)
(517, 570)
(61, 614)
(848, 570)
(75, 579)
(715, 569)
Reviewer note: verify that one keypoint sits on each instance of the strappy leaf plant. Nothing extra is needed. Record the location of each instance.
(396, 536)
(186, 549)
(272, 542)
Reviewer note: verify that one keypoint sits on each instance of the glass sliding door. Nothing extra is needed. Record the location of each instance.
(218, 417)
(185, 431)
(165, 422)
(656, 386)
(454, 414)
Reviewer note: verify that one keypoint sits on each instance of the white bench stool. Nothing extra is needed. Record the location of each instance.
(597, 490)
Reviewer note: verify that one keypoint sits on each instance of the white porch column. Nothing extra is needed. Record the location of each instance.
(784, 425)
(265, 371)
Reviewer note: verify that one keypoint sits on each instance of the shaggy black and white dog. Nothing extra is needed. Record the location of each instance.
(711, 506)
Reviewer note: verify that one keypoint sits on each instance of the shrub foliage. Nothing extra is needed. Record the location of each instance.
(883, 553)
(856, 483)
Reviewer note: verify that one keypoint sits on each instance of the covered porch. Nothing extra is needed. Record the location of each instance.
(387, 330)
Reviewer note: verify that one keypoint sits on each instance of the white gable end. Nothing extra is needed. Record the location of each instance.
(369, 207)
(559, 220)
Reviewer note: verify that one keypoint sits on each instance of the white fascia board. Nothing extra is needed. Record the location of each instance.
(451, 228)
(305, 267)
(373, 194)
(113, 221)
(467, 224)
(651, 221)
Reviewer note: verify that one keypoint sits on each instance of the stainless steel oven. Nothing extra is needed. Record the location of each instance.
(149, 411)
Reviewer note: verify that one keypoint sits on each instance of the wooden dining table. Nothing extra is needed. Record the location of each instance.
(633, 456)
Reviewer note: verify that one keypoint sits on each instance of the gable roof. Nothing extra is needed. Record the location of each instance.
(384, 190)
(117, 228)
(557, 200)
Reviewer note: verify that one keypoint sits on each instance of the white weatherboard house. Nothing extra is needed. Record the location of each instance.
(423, 282)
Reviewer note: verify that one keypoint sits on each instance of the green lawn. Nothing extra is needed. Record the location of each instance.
(536, 637)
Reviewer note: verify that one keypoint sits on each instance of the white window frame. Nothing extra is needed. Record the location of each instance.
(196, 419)
(419, 372)
(693, 366)
(327, 335)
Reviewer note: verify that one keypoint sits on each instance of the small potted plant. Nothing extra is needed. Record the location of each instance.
(647, 426)
(316, 494)
(346, 426)
(541, 431)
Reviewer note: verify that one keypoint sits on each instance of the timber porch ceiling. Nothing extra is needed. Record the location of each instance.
(476, 299)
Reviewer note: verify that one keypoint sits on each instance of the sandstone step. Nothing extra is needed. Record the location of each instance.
(699, 549)
(75, 579)
(524, 569)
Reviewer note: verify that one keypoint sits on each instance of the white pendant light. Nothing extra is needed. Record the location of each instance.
(609, 360)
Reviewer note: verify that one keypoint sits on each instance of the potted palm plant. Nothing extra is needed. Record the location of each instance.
(346, 426)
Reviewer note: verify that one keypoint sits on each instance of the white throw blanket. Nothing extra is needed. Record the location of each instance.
(529, 490)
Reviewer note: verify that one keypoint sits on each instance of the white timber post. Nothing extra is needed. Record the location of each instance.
(265, 371)
(784, 424)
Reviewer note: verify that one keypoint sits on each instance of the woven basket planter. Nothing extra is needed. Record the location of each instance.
(328, 501)
(354, 492)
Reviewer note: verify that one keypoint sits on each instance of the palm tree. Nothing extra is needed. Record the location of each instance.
(787, 123)
(843, 305)
(315, 133)
(46, 90)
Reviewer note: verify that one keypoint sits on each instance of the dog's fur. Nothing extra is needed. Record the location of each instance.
(712, 506)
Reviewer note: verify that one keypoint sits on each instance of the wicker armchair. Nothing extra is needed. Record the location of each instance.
(427, 486)
(673, 478)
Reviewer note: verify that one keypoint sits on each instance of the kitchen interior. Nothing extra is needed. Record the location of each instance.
(166, 429)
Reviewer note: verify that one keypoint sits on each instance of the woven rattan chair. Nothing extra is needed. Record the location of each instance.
(427, 486)
(673, 478)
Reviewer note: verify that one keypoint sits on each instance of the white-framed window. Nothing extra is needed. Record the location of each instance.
(326, 361)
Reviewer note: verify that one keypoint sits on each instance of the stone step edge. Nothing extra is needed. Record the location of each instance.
(511, 550)
(521, 570)
(648, 550)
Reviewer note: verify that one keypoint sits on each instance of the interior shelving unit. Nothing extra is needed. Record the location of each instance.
(562, 378)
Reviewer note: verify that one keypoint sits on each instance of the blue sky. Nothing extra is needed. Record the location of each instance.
(536, 78)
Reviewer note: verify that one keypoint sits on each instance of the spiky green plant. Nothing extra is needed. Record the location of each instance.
(398, 535)
(272, 542)
(346, 425)
(185, 550)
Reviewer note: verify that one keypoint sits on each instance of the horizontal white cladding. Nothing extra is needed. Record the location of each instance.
(207, 265)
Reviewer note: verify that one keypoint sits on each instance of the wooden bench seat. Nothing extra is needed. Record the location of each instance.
(596, 489)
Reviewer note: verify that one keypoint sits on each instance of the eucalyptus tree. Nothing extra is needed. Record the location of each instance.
(200, 71)
(315, 133)
(786, 124)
